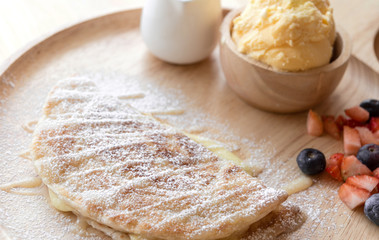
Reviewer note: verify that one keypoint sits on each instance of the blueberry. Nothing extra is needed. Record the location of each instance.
(369, 156)
(372, 106)
(372, 208)
(311, 161)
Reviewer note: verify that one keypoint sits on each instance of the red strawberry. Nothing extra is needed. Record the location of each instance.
(333, 166)
(363, 181)
(351, 140)
(352, 123)
(331, 127)
(340, 122)
(358, 113)
(314, 124)
(352, 196)
(351, 166)
(335, 159)
(366, 136)
(374, 124)
(376, 173)
(335, 172)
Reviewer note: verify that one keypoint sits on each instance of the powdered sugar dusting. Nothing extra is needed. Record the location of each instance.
(128, 171)
(112, 53)
(258, 152)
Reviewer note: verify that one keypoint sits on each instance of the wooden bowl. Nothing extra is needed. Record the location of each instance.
(278, 91)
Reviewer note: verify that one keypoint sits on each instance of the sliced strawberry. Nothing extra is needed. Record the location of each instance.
(314, 124)
(335, 159)
(331, 127)
(376, 173)
(340, 122)
(335, 172)
(363, 181)
(351, 166)
(352, 196)
(351, 140)
(333, 166)
(366, 136)
(358, 113)
(374, 124)
(352, 123)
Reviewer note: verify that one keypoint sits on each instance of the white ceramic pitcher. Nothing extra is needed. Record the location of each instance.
(181, 31)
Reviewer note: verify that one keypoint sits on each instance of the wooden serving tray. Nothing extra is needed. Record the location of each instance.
(109, 49)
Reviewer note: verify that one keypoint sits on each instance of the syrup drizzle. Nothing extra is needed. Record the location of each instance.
(31, 182)
(131, 96)
(168, 112)
(29, 126)
(26, 155)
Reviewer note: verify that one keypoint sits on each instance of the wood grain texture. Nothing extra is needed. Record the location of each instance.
(90, 48)
(22, 21)
(361, 20)
(112, 48)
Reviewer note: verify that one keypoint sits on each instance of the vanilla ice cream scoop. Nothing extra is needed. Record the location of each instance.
(289, 35)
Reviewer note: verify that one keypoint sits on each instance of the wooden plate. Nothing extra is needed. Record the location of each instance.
(109, 50)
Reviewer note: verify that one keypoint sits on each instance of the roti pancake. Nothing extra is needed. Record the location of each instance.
(125, 170)
(285, 219)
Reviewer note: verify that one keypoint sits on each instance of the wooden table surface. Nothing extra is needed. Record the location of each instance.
(22, 21)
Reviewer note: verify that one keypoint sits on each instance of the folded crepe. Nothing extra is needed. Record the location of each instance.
(126, 172)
